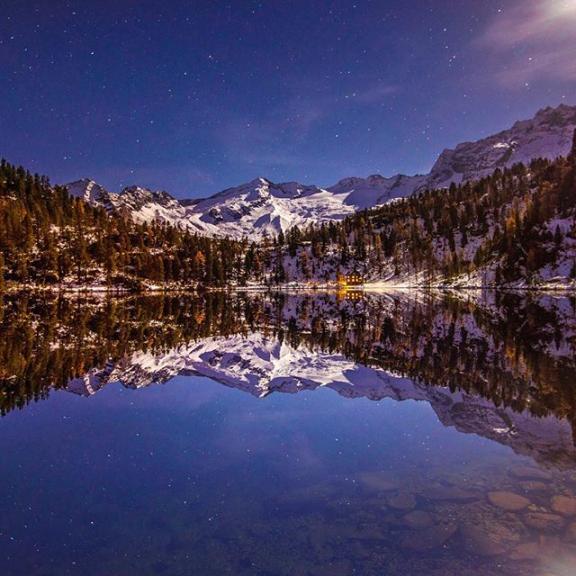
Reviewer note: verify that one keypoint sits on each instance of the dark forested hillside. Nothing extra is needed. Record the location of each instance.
(516, 228)
(49, 238)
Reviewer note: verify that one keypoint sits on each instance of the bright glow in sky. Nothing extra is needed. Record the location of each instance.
(561, 8)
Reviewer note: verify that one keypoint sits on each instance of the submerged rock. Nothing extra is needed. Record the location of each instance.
(544, 521)
(571, 532)
(488, 540)
(564, 505)
(402, 501)
(508, 501)
(534, 486)
(526, 551)
(530, 473)
(379, 481)
(429, 539)
(449, 494)
(545, 550)
(418, 519)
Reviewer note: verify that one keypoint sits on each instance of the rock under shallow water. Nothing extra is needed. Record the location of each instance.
(418, 519)
(429, 539)
(564, 505)
(533, 486)
(402, 501)
(379, 481)
(488, 539)
(530, 473)
(571, 533)
(449, 494)
(508, 501)
(548, 550)
(526, 551)
(544, 521)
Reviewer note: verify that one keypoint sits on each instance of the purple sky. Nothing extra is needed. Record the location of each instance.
(193, 97)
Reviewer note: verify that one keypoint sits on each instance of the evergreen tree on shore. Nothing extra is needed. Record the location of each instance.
(508, 226)
(48, 237)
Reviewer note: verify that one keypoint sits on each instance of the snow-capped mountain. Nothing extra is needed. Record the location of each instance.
(262, 207)
(369, 192)
(141, 204)
(92, 193)
(547, 135)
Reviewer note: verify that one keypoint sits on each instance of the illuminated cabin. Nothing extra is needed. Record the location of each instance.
(350, 280)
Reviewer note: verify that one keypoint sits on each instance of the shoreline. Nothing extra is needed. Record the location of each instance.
(369, 288)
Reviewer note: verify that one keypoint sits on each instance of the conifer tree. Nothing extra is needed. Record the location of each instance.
(2, 272)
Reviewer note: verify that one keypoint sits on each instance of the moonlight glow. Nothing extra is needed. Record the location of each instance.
(561, 9)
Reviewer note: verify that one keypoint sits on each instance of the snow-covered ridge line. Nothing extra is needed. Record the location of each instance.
(261, 207)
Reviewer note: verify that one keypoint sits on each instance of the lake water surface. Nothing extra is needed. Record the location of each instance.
(336, 434)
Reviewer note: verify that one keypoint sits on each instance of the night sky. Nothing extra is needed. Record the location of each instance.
(193, 97)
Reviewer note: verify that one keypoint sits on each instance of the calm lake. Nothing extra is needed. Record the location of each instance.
(255, 434)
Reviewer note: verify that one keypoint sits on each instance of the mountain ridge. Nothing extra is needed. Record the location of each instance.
(261, 207)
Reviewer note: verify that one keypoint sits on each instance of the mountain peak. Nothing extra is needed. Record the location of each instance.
(90, 191)
(547, 135)
(564, 109)
(259, 181)
(263, 207)
(137, 197)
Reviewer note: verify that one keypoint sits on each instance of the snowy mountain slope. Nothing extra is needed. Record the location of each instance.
(256, 208)
(141, 204)
(547, 135)
(92, 192)
(369, 192)
(262, 207)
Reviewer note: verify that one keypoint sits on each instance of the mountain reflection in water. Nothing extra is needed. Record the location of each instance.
(500, 367)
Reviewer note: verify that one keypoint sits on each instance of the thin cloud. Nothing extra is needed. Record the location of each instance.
(535, 39)
(376, 94)
(275, 138)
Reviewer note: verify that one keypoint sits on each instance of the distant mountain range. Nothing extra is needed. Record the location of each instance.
(262, 207)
